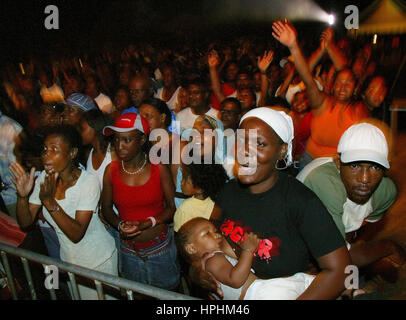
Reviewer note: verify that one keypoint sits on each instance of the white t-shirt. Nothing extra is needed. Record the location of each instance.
(187, 118)
(97, 245)
(105, 104)
(173, 101)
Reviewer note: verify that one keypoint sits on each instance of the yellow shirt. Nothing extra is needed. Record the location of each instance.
(192, 208)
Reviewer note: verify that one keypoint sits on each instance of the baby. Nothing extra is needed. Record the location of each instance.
(199, 237)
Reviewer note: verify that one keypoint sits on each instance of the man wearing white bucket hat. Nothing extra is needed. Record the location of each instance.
(355, 191)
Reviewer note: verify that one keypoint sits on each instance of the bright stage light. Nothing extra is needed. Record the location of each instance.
(331, 19)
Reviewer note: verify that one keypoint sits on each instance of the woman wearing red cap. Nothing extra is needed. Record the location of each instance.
(144, 196)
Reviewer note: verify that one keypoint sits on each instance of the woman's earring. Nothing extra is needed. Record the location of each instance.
(285, 164)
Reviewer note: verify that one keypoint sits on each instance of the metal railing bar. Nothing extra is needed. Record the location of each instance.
(10, 278)
(28, 275)
(53, 294)
(130, 295)
(99, 288)
(108, 279)
(75, 290)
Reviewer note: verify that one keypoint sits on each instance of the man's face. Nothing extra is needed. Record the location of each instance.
(230, 115)
(360, 179)
(197, 96)
(243, 81)
(139, 90)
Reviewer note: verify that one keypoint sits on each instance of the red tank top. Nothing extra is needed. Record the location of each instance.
(137, 202)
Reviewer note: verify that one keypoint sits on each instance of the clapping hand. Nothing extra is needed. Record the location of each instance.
(284, 33)
(23, 181)
(48, 187)
(129, 229)
(326, 38)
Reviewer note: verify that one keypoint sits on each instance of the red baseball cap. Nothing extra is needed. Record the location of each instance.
(128, 122)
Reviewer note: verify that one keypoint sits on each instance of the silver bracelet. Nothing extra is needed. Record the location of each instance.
(153, 220)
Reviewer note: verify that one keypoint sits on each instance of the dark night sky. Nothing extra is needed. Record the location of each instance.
(87, 21)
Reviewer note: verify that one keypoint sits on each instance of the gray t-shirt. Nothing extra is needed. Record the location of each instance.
(326, 183)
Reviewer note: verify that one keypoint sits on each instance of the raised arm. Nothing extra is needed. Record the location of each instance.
(286, 34)
(327, 40)
(281, 92)
(263, 64)
(213, 61)
(316, 56)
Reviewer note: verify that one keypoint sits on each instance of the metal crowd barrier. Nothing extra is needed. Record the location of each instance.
(72, 270)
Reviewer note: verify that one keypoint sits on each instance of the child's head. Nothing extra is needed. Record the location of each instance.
(203, 179)
(197, 237)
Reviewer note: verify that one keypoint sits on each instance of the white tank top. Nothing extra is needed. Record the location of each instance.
(100, 171)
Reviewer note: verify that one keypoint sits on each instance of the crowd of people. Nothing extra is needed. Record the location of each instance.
(140, 163)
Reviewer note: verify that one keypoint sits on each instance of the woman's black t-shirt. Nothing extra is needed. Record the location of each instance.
(289, 211)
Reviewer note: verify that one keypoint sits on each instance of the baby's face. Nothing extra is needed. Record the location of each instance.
(205, 238)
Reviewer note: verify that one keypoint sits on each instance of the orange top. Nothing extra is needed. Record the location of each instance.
(328, 126)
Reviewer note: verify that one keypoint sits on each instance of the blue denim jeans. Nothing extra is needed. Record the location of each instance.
(159, 269)
(51, 242)
(116, 236)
